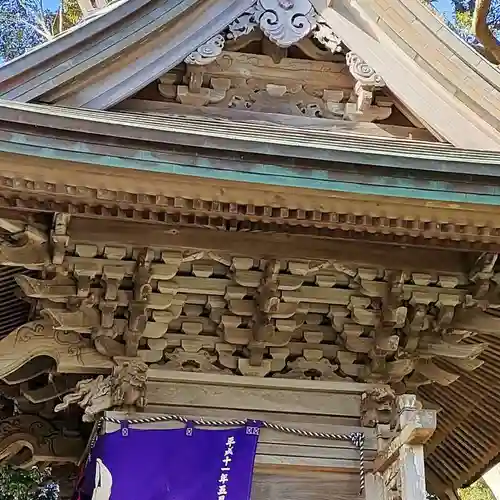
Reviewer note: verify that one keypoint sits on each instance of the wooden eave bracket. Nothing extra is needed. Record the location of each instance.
(29, 248)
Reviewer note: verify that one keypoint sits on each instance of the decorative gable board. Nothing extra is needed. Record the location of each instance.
(304, 85)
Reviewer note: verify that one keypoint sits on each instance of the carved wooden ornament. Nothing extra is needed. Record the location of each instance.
(125, 388)
(26, 440)
(284, 22)
(70, 351)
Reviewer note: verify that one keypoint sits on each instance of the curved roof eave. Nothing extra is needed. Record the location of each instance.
(258, 138)
(420, 91)
(115, 55)
(418, 32)
(27, 68)
(118, 53)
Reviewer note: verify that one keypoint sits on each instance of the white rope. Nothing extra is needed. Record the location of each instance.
(356, 438)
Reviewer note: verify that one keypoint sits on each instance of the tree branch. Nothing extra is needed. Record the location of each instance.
(483, 32)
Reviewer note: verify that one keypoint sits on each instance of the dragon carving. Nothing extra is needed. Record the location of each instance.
(124, 388)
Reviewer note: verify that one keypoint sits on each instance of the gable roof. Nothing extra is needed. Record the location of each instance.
(115, 55)
(443, 82)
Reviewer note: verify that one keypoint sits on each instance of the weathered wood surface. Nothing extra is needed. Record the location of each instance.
(254, 394)
(210, 312)
(70, 352)
(128, 234)
(304, 122)
(354, 34)
(284, 454)
(170, 36)
(400, 463)
(104, 50)
(276, 83)
(441, 52)
(292, 484)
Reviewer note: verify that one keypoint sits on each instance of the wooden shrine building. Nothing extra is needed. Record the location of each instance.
(277, 209)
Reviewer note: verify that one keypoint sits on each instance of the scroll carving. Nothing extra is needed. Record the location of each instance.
(284, 22)
(26, 440)
(125, 388)
(70, 351)
(208, 52)
(367, 81)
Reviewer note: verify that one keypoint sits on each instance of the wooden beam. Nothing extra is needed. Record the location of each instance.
(417, 432)
(376, 129)
(478, 321)
(281, 246)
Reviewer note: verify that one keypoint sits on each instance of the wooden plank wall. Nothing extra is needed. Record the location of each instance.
(287, 466)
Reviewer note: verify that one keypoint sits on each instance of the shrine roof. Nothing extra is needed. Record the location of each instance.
(252, 137)
(451, 89)
(64, 102)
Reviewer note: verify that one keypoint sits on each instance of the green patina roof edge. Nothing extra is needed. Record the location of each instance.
(258, 137)
(269, 174)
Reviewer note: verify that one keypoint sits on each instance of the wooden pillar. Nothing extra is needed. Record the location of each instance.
(400, 464)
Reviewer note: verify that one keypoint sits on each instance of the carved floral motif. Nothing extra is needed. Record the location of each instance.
(325, 35)
(367, 81)
(208, 52)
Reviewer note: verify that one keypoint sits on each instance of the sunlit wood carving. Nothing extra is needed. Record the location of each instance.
(125, 388)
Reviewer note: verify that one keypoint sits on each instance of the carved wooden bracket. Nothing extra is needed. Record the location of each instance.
(266, 302)
(59, 237)
(124, 389)
(70, 351)
(200, 311)
(138, 318)
(481, 274)
(377, 406)
(28, 248)
(26, 440)
(367, 81)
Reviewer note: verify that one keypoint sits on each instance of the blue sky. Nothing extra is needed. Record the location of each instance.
(443, 6)
(51, 4)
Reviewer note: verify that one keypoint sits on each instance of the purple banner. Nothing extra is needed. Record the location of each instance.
(172, 464)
